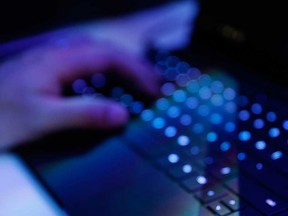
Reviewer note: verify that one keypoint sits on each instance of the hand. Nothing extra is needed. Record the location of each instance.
(31, 104)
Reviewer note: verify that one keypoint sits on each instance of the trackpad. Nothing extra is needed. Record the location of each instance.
(113, 180)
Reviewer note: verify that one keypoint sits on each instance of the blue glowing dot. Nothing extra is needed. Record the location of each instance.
(98, 80)
(179, 96)
(231, 107)
(183, 140)
(217, 86)
(285, 124)
(205, 93)
(183, 67)
(194, 73)
(168, 89)
(78, 86)
(193, 86)
(217, 100)
(244, 115)
(225, 170)
(162, 104)
(192, 103)
(271, 116)
(242, 101)
(230, 127)
(276, 155)
(225, 146)
(126, 99)
(229, 94)
(147, 115)
(201, 180)
(203, 110)
(173, 112)
(187, 168)
(173, 158)
(182, 80)
(274, 132)
(260, 145)
(259, 166)
(170, 131)
(195, 150)
(117, 92)
(205, 80)
(212, 137)
(256, 108)
(216, 118)
(210, 193)
(259, 123)
(241, 156)
(158, 123)
(185, 120)
(136, 107)
(244, 136)
(198, 128)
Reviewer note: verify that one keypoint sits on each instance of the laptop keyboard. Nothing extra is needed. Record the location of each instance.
(220, 141)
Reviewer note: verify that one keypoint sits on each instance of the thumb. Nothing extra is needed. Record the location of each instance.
(85, 113)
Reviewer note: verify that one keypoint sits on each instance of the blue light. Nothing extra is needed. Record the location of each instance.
(256, 108)
(230, 127)
(259, 166)
(271, 116)
(244, 115)
(173, 112)
(162, 104)
(225, 146)
(168, 89)
(193, 86)
(217, 86)
(198, 128)
(212, 137)
(179, 96)
(231, 107)
(186, 120)
(126, 99)
(147, 115)
(241, 156)
(205, 80)
(194, 73)
(158, 123)
(170, 131)
(229, 94)
(276, 155)
(217, 100)
(274, 132)
(203, 110)
(285, 124)
(78, 86)
(259, 123)
(260, 145)
(183, 140)
(98, 80)
(136, 107)
(117, 92)
(182, 80)
(244, 136)
(192, 102)
(216, 118)
(205, 93)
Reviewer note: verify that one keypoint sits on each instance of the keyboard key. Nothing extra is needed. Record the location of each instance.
(257, 196)
(211, 194)
(218, 208)
(233, 202)
(196, 183)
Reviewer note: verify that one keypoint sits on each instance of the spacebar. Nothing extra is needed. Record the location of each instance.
(262, 199)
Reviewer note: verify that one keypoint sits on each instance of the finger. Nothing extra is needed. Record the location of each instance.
(82, 60)
(83, 113)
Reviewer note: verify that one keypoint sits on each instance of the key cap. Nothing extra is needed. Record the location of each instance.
(257, 196)
(211, 194)
(219, 208)
(197, 182)
(233, 202)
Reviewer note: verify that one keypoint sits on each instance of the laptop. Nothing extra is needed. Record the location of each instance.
(215, 143)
